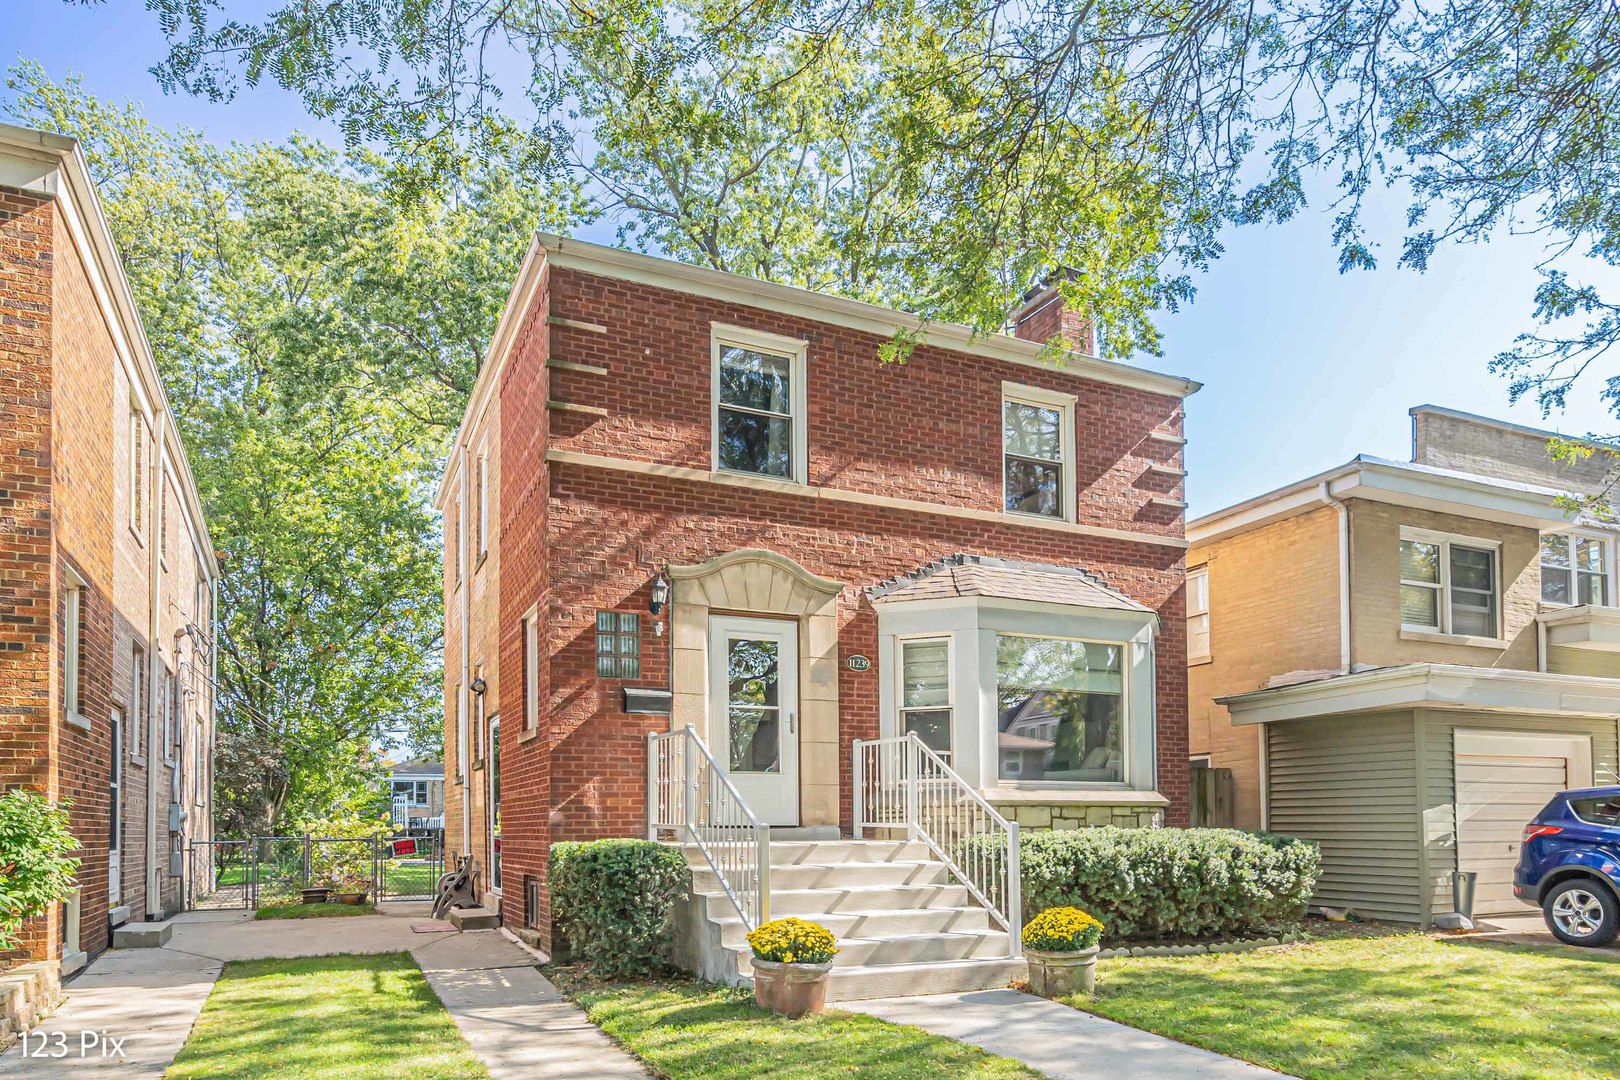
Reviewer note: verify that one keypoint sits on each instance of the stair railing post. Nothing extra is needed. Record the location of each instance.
(762, 852)
(858, 793)
(652, 785)
(689, 781)
(1015, 893)
(911, 788)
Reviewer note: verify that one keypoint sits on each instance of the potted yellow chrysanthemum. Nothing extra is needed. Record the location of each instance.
(1062, 945)
(792, 959)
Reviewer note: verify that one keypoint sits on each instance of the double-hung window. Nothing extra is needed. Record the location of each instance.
(1574, 569)
(1198, 613)
(759, 404)
(1449, 584)
(925, 691)
(1037, 452)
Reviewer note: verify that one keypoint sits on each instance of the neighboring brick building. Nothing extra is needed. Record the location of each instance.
(106, 572)
(816, 515)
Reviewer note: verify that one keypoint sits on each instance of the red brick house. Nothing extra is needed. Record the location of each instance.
(683, 498)
(106, 570)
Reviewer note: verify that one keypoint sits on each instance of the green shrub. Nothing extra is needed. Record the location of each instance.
(1149, 883)
(36, 867)
(615, 900)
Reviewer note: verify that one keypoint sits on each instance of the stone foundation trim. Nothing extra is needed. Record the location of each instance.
(1248, 945)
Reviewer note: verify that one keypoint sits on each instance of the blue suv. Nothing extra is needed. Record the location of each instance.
(1569, 865)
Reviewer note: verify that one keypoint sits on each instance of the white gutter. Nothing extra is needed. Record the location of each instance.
(1325, 491)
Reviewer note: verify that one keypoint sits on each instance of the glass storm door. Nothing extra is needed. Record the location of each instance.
(753, 710)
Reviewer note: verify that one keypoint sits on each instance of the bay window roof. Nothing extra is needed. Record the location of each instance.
(1005, 579)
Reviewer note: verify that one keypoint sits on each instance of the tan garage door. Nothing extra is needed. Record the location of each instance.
(1503, 780)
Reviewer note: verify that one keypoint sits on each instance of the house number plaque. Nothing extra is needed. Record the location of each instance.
(859, 663)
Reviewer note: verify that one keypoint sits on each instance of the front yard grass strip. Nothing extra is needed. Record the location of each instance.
(691, 1031)
(325, 1018)
(1411, 1005)
(313, 911)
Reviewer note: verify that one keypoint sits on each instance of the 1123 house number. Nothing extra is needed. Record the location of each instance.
(859, 663)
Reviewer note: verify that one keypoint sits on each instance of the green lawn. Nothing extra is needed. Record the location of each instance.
(313, 911)
(325, 1018)
(689, 1031)
(1409, 1006)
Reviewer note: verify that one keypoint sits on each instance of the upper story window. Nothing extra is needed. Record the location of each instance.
(72, 645)
(1198, 613)
(413, 791)
(531, 670)
(925, 692)
(1449, 584)
(1061, 709)
(1037, 445)
(759, 404)
(1574, 569)
(483, 503)
(137, 471)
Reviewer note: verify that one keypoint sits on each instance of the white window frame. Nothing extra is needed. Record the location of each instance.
(796, 350)
(137, 474)
(1036, 396)
(171, 697)
(1443, 605)
(900, 709)
(1570, 536)
(1127, 740)
(483, 501)
(135, 736)
(115, 806)
(73, 649)
(531, 669)
(1199, 612)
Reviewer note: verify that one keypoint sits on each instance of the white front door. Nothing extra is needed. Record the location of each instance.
(754, 711)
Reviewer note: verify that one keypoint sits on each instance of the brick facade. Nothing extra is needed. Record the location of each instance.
(66, 525)
(914, 452)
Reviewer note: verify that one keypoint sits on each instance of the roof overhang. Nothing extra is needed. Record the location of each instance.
(1583, 627)
(1401, 483)
(1429, 686)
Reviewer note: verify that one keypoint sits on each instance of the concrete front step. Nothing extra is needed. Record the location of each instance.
(830, 852)
(909, 980)
(801, 876)
(905, 949)
(142, 935)
(808, 903)
(871, 924)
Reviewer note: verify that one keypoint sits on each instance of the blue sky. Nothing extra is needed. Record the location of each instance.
(1302, 368)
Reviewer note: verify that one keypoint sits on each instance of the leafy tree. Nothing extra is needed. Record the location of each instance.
(318, 346)
(940, 153)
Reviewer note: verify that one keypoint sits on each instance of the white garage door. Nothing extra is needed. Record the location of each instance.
(1503, 780)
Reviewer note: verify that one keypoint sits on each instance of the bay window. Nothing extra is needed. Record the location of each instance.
(1060, 710)
(1574, 569)
(925, 692)
(1448, 584)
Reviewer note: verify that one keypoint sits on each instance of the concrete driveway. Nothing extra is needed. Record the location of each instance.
(1531, 929)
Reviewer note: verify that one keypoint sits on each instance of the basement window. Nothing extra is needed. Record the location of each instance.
(618, 645)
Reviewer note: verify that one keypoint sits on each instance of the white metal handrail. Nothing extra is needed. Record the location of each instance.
(689, 794)
(901, 783)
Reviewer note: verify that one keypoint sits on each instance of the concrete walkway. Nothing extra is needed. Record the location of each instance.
(1063, 1043)
(513, 1018)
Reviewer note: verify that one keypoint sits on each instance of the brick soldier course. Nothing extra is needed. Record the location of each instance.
(102, 544)
(592, 427)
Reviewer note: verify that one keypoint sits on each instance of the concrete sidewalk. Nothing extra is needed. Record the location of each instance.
(513, 1018)
(1063, 1043)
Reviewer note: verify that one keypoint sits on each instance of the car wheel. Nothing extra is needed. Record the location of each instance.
(1582, 912)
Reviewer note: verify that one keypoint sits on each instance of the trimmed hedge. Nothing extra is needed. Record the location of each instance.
(614, 901)
(1150, 883)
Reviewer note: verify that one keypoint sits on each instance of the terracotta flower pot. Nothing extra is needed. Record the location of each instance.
(794, 990)
(354, 899)
(315, 896)
(1059, 974)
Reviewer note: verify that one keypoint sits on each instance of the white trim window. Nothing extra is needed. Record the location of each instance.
(171, 710)
(1449, 584)
(924, 697)
(531, 670)
(1198, 614)
(137, 702)
(1061, 710)
(137, 472)
(758, 395)
(1037, 452)
(72, 646)
(483, 502)
(1574, 569)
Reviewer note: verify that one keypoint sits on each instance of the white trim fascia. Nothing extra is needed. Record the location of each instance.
(1582, 627)
(26, 150)
(888, 502)
(1435, 686)
(574, 254)
(1401, 483)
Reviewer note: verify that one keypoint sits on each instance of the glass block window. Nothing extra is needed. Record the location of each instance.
(618, 645)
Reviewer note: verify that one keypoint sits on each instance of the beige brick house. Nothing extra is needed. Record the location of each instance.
(1404, 660)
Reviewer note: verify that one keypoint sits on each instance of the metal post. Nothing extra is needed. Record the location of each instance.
(858, 794)
(305, 882)
(762, 845)
(689, 781)
(1015, 893)
(652, 785)
(911, 787)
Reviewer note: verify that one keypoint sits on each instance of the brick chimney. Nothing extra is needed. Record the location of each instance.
(1044, 317)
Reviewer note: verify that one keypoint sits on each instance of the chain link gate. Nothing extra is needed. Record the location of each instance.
(225, 874)
(409, 867)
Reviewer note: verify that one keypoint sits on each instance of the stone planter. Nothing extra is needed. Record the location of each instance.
(315, 896)
(353, 899)
(1059, 974)
(794, 990)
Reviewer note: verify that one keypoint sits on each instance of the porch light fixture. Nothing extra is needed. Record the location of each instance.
(660, 595)
(478, 686)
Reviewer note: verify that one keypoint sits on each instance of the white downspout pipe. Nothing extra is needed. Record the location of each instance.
(1325, 492)
(1541, 645)
(464, 730)
(154, 664)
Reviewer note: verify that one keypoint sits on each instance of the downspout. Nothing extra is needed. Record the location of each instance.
(464, 731)
(1325, 491)
(154, 664)
(1541, 645)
